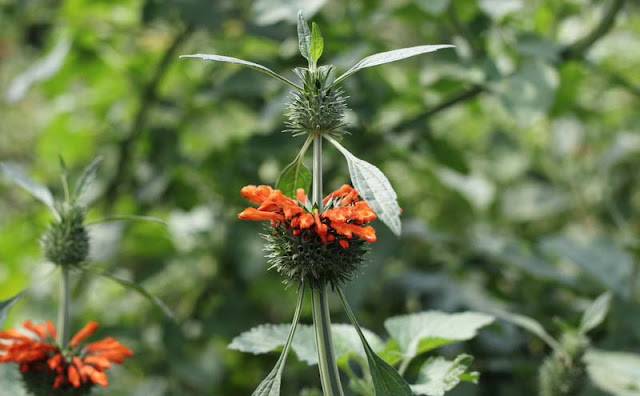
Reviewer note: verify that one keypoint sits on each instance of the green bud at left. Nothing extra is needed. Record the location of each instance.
(66, 241)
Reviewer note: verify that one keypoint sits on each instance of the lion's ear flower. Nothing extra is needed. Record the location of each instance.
(318, 246)
(50, 370)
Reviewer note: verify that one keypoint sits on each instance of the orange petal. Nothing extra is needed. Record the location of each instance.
(73, 376)
(37, 329)
(344, 243)
(343, 190)
(306, 220)
(301, 196)
(255, 214)
(256, 194)
(85, 332)
(96, 376)
(55, 361)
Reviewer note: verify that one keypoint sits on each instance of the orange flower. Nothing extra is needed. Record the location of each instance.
(74, 366)
(343, 217)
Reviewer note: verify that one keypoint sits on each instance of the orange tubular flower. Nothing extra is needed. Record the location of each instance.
(76, 366)
(343, 217)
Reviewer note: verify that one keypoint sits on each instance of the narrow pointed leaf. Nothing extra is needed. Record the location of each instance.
(530, 325)
(138, 289)
(39, 191)
(374, 187)
(7, 304)
(304, 37)
(87, 178)
(270, 386)
(317, 43)
(595, 314)
(294, 176)
(390, 56)
(386, 379)
(251, 65)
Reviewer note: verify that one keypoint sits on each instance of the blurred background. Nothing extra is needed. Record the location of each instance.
(515, 158)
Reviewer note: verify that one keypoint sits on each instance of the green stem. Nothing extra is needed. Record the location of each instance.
(327, 364)
(329, 374)
(64, 310)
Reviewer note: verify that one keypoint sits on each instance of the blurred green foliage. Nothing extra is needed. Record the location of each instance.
(515, 158)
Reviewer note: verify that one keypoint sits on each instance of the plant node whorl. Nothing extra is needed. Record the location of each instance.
(306, 258)
(40, 383)
(319, 107)
(563, 373)
(66, 241)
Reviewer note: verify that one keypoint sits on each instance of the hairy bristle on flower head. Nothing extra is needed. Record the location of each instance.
(66, 241)
(305, 244)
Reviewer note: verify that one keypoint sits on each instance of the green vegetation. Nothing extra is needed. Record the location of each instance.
(514, 156)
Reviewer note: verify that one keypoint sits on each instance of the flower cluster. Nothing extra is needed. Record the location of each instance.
(344, 216)
(46, 367)
(306, 244)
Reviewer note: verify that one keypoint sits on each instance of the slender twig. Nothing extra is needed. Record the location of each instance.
(148, 95)
(571, 52)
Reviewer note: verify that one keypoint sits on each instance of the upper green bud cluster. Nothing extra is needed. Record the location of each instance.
(319, 107)
(66, 241)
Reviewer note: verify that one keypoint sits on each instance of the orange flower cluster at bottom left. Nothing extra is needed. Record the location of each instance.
(74, 366)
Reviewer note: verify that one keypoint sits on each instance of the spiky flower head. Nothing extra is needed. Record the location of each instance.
(66, 241)
(564, 372)
(319, 107)
(309, 245)
(49, 370)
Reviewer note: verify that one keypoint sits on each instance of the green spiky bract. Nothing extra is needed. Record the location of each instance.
(319, 107)
(66, 241)
(306, 258)
(39, 379)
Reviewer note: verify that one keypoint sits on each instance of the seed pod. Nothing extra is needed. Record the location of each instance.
(66, 241)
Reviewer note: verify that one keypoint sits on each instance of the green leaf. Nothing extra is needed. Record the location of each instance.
(601, 258)
(386, 379)
(420, 332)
(138, 289)
(317, 43)
(251, 65)
(595, 313)
(615, 372)
(294, 176)
(390, 56)
(438, 375)
(270, 386)
(86, 179)
(374, 187)
(270, 337)
(39, 191)
(304, 37)
(529, 324)
(6, 305)
(529, 93)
